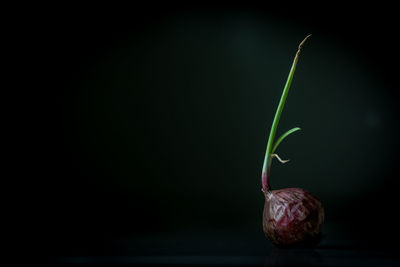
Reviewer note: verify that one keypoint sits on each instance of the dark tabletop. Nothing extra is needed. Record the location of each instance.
(337, 248)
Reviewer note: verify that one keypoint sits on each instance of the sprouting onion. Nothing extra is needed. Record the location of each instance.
(291, 216)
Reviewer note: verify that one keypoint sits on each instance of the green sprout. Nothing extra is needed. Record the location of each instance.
(271, 145)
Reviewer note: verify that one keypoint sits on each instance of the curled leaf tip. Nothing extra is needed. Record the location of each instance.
(280, 160)
(302, 43)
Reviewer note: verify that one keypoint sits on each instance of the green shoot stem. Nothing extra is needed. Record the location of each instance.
(270, 145)
(283, 136)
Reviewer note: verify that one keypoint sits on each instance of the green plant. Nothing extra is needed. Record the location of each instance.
(271, 145)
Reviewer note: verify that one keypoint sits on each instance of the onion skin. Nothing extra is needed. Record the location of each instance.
(292, 217)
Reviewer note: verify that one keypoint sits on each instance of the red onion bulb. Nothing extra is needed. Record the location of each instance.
(292, 216)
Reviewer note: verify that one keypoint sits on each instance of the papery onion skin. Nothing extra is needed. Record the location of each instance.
(292, 216)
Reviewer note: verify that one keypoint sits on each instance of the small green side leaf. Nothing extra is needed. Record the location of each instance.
(283, 136)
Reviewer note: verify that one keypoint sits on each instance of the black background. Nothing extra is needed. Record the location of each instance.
(150, 125)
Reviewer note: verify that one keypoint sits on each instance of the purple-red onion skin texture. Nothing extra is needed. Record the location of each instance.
(292, 216)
